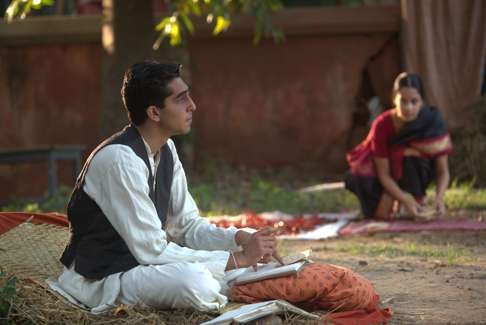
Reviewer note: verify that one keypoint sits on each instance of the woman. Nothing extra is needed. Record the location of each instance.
(406, 148)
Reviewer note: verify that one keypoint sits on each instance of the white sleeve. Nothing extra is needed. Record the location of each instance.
(184, 224)
(117, 181)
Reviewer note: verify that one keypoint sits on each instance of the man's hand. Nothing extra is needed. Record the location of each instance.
(242, 237)
(268, 258)
(260, 246)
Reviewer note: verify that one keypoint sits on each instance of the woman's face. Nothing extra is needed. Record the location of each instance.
(408, 103)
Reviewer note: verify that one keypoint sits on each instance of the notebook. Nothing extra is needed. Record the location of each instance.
(266, 271)
(292, 265)
(254, 311)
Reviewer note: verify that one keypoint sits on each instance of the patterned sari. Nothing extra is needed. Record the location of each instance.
(427, 135)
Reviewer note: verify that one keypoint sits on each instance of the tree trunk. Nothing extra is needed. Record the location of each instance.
(127, 37)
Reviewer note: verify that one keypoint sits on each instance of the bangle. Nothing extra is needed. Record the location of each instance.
(234, 260)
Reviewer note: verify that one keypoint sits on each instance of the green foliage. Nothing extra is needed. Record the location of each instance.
(217, 12)
(219, 188)
(57, 203)
(267, 196)
(21, 8)
(178, 23)
(465, 197)
(222, 189)
(7, 294)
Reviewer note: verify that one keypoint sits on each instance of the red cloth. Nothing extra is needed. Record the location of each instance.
(346, 294)
(9, 220)
(359, 317)
(373, 226)
(284, 226)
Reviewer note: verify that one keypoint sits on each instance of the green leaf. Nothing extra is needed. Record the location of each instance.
(169, 27)
(222, 24)
(12, 11)
(21, 8)
(187, 23)
(26, 9)
(32, 207)
(36, 5)
(161, 26)
(174, 34)
(192, 8)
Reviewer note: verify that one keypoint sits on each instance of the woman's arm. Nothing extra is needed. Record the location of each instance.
(442, 181)
(383, 170)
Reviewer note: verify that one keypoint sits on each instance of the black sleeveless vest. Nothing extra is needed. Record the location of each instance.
(95, 246)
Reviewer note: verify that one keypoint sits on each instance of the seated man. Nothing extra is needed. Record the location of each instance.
(137, 237)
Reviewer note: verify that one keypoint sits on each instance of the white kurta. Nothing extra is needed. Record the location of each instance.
(182, 266)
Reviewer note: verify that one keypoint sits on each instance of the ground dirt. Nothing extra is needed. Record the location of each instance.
(418, 289)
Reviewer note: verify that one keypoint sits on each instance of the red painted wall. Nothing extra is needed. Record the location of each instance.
(49, 95)
(282, 104)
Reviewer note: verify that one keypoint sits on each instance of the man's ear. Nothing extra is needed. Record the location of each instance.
(153, 113)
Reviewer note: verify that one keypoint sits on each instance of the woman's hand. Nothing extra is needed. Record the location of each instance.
(440, 207)
(442, 180)
(412, 206)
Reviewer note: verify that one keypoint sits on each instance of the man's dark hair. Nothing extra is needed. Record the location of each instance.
(145, 84)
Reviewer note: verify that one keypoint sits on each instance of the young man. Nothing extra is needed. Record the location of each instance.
(136, 235)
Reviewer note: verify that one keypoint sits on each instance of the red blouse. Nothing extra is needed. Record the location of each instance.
(382, 130)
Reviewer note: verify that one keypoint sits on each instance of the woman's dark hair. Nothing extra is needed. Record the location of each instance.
(411, 80)
(146, 84)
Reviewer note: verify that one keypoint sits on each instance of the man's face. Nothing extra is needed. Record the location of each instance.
(176, 115)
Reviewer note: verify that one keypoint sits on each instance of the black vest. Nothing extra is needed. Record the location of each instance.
(95, 246)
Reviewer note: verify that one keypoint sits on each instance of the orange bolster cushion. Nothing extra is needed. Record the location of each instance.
(315, 287)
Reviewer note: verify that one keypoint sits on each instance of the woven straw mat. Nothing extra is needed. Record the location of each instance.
(33, 251)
